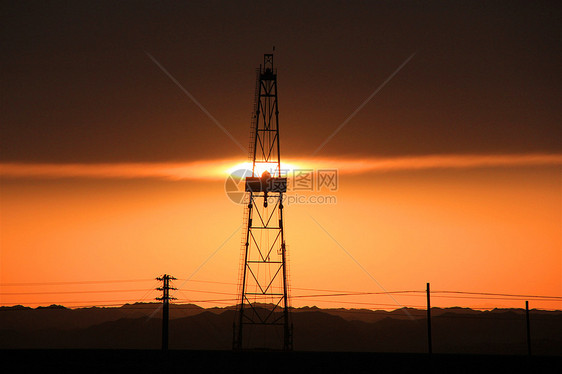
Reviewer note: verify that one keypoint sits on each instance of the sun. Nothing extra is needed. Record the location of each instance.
(286, 168)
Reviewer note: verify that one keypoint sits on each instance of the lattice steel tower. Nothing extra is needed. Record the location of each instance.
(262, 320)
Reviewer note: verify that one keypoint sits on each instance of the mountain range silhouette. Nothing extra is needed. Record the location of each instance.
(138, 326)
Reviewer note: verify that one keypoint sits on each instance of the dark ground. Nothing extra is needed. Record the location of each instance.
(186, 361)
(454, 331)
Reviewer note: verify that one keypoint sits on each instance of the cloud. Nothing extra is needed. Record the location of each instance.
(219, 169)
(198, 170)
(372, 165)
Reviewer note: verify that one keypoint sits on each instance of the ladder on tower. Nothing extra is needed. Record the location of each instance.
(254, 120)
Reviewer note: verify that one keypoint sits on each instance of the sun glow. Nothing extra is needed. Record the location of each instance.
(221, 168)
(286, 168)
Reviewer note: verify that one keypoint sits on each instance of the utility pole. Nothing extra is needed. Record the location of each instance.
(165, 279)
(429, 347)
(528, 328)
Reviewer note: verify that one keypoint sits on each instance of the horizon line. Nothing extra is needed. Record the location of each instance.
(384, 309)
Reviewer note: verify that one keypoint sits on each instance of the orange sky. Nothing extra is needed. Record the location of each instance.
(482, 229)
(443, 120)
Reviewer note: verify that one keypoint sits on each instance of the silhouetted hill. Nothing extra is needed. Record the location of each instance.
(138, 326)
(56, 316)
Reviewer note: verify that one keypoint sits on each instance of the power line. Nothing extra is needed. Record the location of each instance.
(537, 298)
(500, 294)
(340, 292)
(206, 300)
(364, 303)
(437, 294)
(75, 302)
(207, 281)
(67, 292)
(224, 302)
(515, 298)
(75, 282)
(211, 292)
(354, 294)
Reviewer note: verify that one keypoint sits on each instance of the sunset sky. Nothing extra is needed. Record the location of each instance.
(120, 124)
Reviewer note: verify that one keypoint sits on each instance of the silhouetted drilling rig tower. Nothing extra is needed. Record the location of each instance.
(262, 320)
